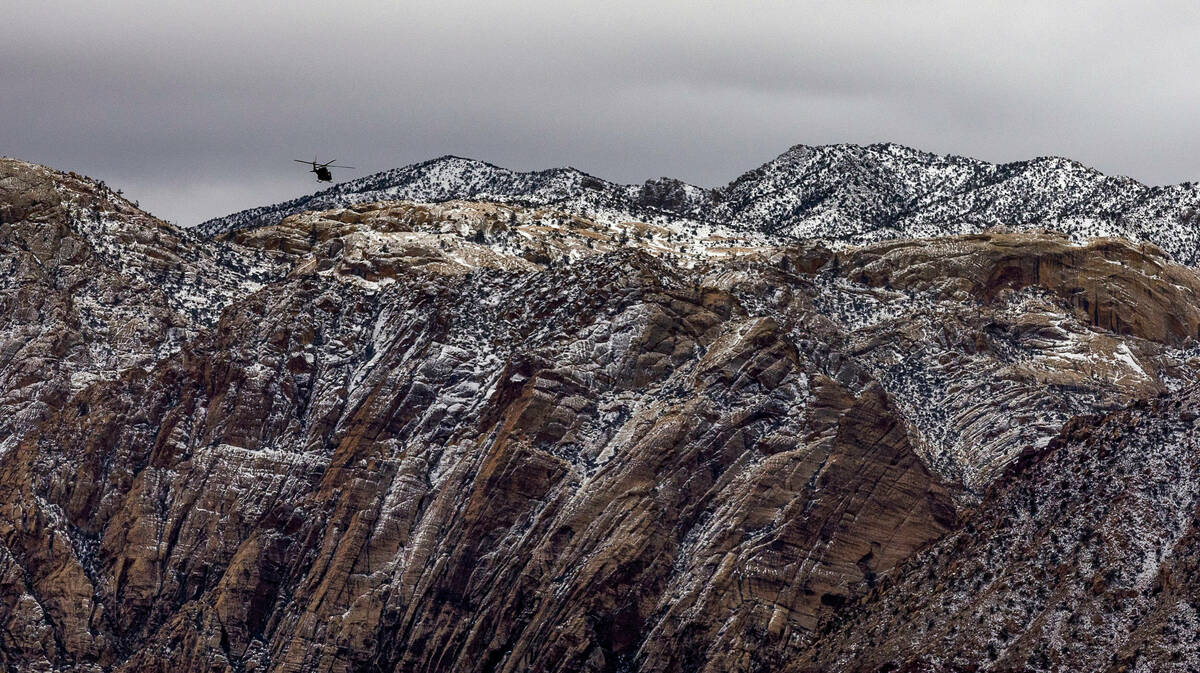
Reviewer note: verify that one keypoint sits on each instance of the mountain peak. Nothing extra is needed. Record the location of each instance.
(841, 193)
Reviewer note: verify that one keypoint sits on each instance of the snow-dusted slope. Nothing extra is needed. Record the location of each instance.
(838, 193)
(863, 194)
(501, 435)
(1084, 557)
(450, 178)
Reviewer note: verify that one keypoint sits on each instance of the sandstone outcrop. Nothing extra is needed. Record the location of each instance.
(489, 437)
(1083, 556)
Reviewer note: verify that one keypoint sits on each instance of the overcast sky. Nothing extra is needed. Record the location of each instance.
(197, 109)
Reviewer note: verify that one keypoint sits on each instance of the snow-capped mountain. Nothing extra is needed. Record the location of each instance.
(837, 193)
(455, 178)
(571, 426)
(861, 194)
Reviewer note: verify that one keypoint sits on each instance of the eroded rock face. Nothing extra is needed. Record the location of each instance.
(437, 504)
(1082, 557)
(481, 437)
(1125, 288)
(91, 287)
(1019, 332)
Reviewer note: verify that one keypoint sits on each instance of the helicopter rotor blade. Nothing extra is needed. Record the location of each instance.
(315, 164)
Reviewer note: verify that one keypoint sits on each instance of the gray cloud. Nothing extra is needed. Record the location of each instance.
(197, 108)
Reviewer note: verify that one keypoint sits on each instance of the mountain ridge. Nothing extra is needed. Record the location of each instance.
(483, 436)
(839, 193)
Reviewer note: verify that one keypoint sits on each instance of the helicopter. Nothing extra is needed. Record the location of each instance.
(322, 170)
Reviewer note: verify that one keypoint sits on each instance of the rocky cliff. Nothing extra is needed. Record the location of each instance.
(506, 435)
(1083, 556)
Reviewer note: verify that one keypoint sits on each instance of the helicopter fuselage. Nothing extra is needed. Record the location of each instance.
(321, 170)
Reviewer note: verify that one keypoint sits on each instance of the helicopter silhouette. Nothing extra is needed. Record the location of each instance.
(322, 170)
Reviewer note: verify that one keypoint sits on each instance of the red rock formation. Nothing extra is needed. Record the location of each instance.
(399, 438)
(1083, 556)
